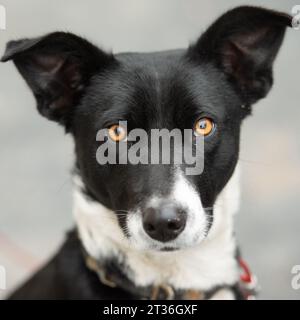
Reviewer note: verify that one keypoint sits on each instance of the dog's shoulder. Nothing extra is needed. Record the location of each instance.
(66, 276)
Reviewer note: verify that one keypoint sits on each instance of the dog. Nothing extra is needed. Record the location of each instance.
(150, 231)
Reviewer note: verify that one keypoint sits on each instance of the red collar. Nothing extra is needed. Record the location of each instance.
(248, 281)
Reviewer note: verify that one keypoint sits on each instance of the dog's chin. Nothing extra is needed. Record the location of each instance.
(155, 246)
(169, 249)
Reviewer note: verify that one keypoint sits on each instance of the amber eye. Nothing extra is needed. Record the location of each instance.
(117, 133)
(204, 127)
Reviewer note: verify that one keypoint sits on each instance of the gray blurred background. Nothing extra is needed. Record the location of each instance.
(36, 156)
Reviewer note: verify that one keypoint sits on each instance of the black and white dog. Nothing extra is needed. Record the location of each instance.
(151, 231)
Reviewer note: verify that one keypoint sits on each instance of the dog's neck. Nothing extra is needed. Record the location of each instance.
(209, 264)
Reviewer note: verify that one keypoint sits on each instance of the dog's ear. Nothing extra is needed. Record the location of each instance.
(57, 68)
(243, 43)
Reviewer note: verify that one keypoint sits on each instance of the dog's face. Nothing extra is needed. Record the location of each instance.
(158, 205)
(208, 88)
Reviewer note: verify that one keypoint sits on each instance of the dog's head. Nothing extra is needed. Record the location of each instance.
(208, 88)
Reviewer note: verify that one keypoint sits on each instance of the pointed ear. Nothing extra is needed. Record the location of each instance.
(57, 68)
(243, 43)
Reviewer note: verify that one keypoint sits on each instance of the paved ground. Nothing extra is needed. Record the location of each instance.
(35, 189)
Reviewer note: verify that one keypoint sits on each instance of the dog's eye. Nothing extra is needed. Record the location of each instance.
(117, 133)
(204, 127)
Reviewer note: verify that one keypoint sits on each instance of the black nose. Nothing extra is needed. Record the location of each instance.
(164, 223)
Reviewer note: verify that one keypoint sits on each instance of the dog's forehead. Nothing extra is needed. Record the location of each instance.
(140, 83)
(157, 87)
(152, 73)
(172, 72)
